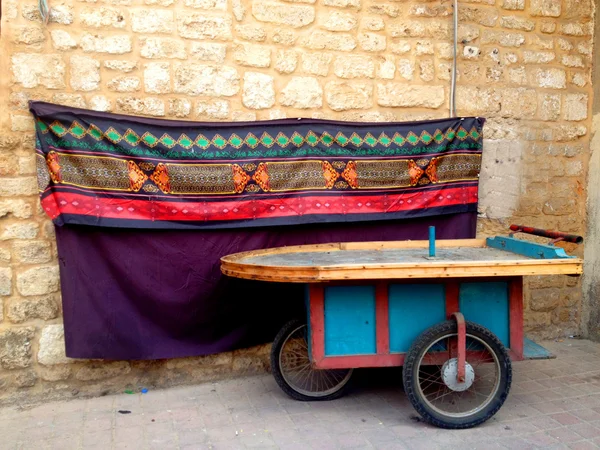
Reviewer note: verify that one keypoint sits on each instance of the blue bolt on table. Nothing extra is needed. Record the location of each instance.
(449, 311)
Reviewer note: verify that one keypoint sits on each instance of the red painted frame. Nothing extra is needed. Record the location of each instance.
(383, 357)
(515, 311)
(461, 345)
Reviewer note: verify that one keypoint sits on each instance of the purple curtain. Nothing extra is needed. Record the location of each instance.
(153, 294)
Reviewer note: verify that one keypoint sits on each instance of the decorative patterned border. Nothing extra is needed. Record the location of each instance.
(105, 173)
(251, 141)
(107, 170)
(290, 210)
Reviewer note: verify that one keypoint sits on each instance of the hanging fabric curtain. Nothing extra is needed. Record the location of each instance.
(107, 170)
(145, 208)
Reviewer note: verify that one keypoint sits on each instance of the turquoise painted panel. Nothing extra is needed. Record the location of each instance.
(527, 248)
(350, 320)
(412, 309)
(486, 304)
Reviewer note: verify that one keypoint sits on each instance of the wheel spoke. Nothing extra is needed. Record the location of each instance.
(296, 368)
(483, 381)
(430, 377)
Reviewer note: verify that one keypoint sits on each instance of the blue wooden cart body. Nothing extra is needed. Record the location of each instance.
(350, 317)
(375, 322)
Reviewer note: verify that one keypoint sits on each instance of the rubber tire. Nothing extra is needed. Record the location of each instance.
(276, 369)
(410, 378)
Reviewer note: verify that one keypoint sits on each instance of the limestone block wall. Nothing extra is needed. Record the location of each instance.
(523, 64)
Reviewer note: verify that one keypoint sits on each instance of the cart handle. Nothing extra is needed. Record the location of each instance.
(555, 235)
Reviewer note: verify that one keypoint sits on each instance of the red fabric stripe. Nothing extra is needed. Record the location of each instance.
(71, 203)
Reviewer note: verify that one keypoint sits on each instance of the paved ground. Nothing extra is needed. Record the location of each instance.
(553, 404)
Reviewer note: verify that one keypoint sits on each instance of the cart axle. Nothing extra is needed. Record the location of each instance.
(450, 375)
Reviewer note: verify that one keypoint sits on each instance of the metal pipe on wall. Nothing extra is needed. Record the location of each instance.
(454, 63)
(44, 10)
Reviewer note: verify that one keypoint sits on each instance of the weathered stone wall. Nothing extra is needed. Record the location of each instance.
(523, 65)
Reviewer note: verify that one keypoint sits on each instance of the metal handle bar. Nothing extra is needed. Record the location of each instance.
(556, 235)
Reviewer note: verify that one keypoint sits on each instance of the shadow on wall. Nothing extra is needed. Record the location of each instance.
(532, 184)
(500, 179)
(591, 268)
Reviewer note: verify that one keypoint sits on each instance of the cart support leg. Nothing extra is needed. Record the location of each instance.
(462, 344)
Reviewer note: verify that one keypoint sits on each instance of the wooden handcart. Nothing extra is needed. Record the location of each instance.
(449, 311)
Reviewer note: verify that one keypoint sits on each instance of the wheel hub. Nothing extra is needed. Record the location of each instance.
(450, 375)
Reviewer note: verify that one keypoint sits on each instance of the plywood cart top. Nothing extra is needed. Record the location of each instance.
(499, 256)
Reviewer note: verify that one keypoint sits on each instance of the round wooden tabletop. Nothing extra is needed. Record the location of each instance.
(388, 260)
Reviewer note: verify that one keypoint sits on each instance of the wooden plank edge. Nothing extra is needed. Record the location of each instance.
(317, 275)
(358, 361)
(427, 265)
(436, 264)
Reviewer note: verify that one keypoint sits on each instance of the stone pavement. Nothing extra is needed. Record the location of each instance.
(553, 404)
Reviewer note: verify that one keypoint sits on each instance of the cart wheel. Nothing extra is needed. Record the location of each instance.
(430, 376)
(293, 372)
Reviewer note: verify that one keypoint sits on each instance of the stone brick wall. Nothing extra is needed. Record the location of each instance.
(524, 65)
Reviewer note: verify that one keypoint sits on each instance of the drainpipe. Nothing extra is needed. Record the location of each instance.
(454, 62)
